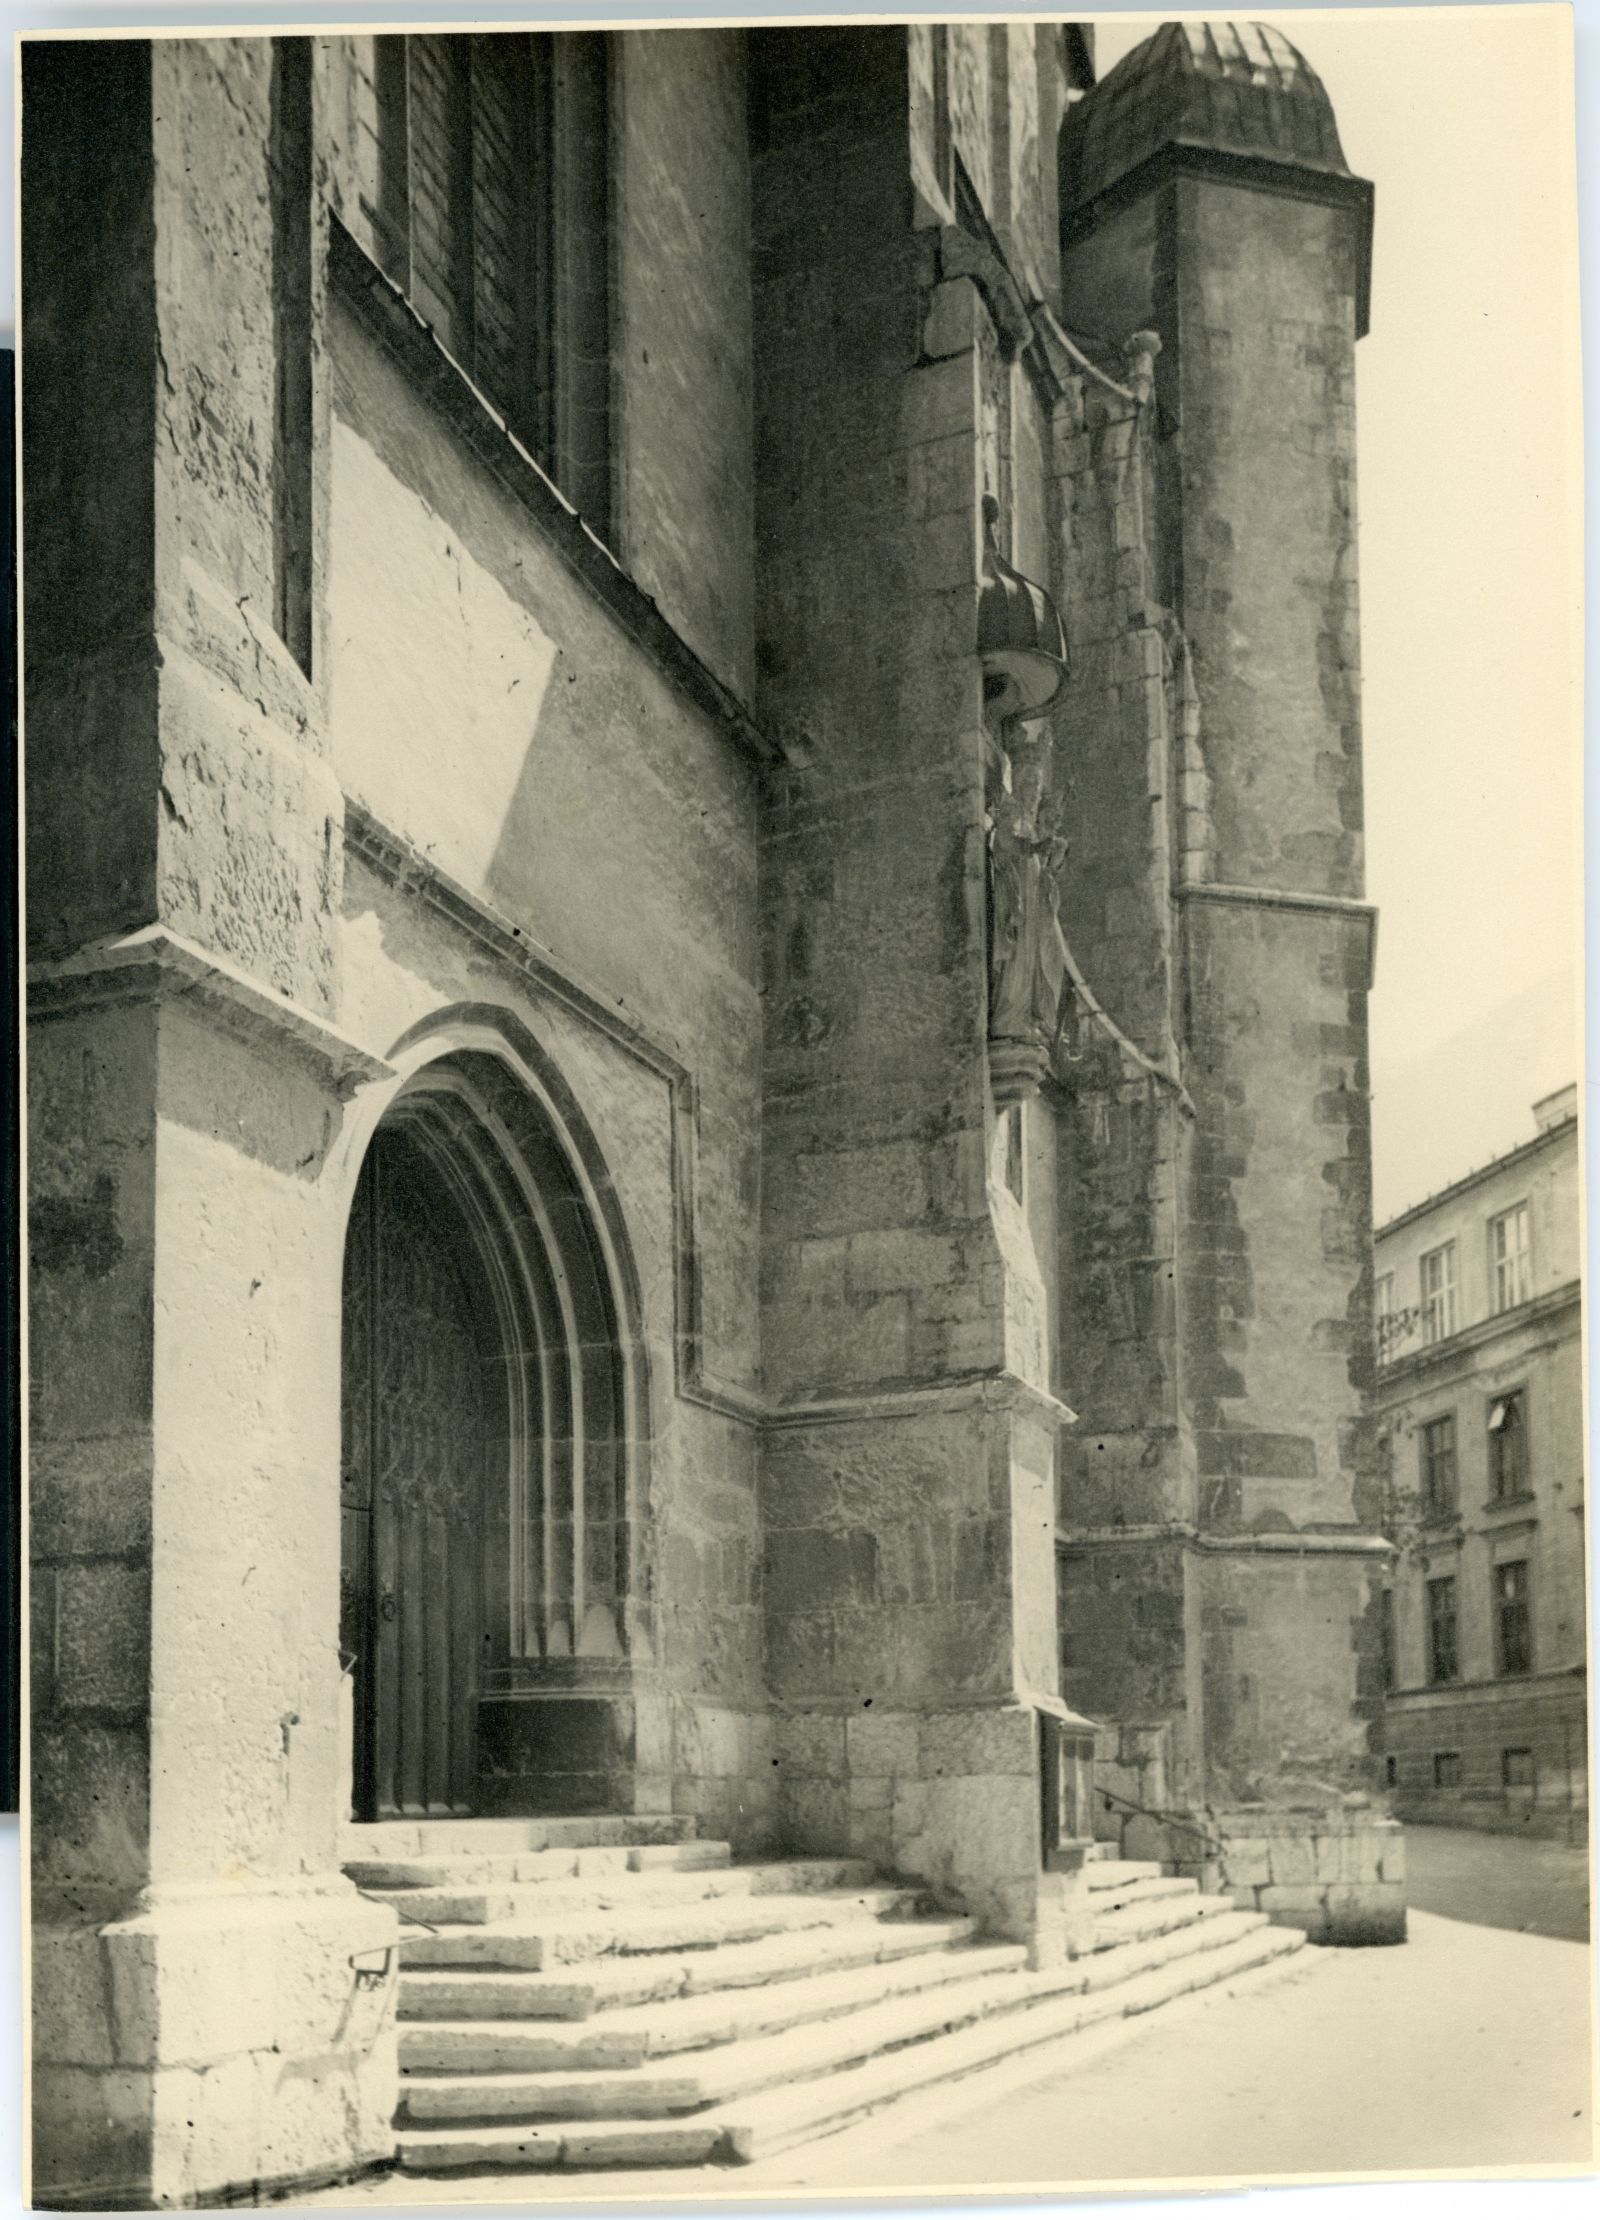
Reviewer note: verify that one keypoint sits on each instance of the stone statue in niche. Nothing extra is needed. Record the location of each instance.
(1024, 663)
(1027, 859)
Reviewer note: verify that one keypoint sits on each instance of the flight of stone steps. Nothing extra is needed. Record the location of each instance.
(614, 1992)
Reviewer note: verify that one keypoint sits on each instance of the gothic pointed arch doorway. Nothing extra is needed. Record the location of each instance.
(486, 1399)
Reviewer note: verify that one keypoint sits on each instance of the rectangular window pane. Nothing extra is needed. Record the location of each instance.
(1386, 1633)
(1510, 1258)
(1513, 1620)
(1439, 1467)
(1447, 1768)
(1439, 1293)
(1516, 1768)
(1442, 1663)
(1508, 1446)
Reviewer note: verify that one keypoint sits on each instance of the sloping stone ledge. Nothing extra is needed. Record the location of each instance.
(155, 965)
(386, 312)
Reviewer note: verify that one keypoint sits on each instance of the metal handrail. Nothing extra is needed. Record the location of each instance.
(411, 1919)
(1162, 1818)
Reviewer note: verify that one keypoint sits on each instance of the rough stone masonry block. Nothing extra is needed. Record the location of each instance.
(102, 1646)
(1294, 1861)
(90, 2135)
(982, 1741)
(73, 2018)
(1276, 1899)
(881, 1742)
(968, 1837)
(809, 1744)
(247, 2052)
(1247, 1865)
(251, 853)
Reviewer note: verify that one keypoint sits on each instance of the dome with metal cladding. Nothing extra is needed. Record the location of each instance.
(1230, 88)
(1020, 640)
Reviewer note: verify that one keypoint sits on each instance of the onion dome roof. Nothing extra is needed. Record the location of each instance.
(1230, 88)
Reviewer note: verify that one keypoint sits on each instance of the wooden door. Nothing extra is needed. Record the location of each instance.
(423, 1402)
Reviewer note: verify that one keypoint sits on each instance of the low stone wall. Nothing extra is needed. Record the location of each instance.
(1338, 1874)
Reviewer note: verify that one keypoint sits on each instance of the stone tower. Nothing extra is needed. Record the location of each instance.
(1218, 1561)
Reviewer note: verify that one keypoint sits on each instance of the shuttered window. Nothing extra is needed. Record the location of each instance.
(495, 216)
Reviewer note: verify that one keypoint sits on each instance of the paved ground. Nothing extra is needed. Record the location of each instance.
(1539, 1888)
(1467, 2048)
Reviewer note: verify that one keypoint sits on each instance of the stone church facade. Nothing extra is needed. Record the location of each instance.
(699, 1127)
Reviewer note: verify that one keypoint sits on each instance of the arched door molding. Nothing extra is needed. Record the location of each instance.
(483, 1108)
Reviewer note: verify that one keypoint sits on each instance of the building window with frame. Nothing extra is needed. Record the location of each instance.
(1443, 1663)
(493, 216)
(1438, 1278)
(1447, 1768)
(1438, 1459)
(1383, 1314)
(1386, 1637)
(1510, 1258)
(1513, 1622)
(1391, 1772)
(1508, 1446)
(1516, 1769)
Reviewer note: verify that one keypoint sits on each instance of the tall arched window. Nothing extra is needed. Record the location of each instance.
(494, 215)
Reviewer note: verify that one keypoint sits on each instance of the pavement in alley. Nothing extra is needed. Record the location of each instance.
(1466, 2048)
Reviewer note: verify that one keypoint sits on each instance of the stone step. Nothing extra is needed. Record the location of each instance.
(624, 2039)
(620, 1892)
(536, 1946)
(985, 1984)
(784, 2112)
(659, 2087)
(441, 1992)
(1104, 1969)
(503, 1868)
(1165, 1890)
(1114, 1873)
(1139, 1920)
(448, 1838)
(775, 2120)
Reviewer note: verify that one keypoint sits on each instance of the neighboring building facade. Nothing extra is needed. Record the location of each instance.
(577, 1265)
(1479, 1403)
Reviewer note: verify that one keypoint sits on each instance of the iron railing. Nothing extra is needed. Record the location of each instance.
(1212, 1848)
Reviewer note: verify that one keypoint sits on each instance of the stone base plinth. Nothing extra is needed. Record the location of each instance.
(211, 2047)
(948, 1798)
(1339, 1875)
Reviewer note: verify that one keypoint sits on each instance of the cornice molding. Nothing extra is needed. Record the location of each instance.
(1471, 1341)
(1291, 901)
(992, 1390)
(1304, 1544)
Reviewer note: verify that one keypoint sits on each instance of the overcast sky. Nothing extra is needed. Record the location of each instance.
(1471, 623)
